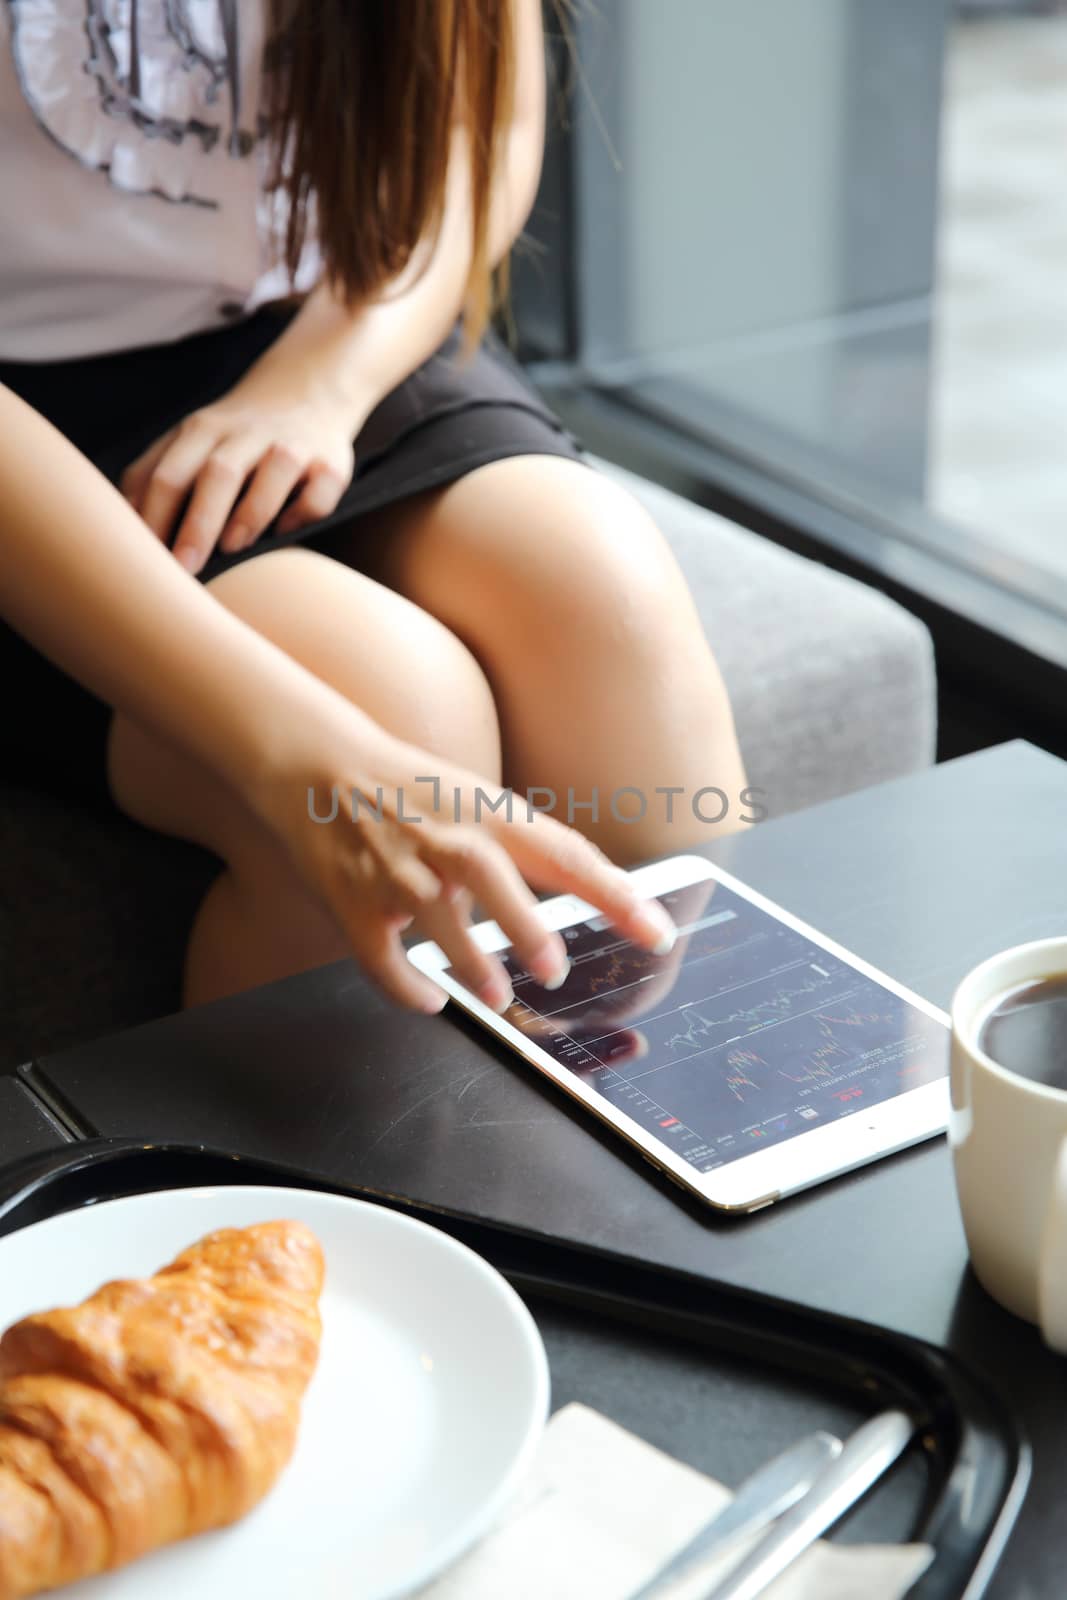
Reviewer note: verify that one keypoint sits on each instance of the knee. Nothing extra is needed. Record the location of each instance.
(592, 559)
(630, 575)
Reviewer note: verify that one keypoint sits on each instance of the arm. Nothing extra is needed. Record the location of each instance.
(84, 581)
(296, 411)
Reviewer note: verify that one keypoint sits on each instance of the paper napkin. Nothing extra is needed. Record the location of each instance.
(601, 1511)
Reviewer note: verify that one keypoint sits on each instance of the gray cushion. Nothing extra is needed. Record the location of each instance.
(833, 689)
(93, 923)
(832, 684)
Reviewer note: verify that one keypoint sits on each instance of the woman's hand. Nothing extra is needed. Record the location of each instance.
(224, 474)
(644, 987)
(399, 859)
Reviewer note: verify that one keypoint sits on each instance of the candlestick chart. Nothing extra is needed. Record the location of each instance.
(747, 1033)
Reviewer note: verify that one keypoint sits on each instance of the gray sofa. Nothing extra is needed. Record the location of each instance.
(833, 687)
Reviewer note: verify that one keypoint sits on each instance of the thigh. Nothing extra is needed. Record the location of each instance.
(400, 665)
(567, 593)
(571, 599)
(521, 542)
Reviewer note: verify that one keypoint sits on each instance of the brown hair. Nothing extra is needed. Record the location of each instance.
(365, 95)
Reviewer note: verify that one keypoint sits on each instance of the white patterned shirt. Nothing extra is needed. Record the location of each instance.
(133, 202)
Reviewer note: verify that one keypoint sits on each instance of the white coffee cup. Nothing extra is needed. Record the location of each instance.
(1009, 1145)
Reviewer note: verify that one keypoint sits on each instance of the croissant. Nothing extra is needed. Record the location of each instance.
(156, 1409)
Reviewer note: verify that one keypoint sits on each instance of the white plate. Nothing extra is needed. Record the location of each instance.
(429, 1398)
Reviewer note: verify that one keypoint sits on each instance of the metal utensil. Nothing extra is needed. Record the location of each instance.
(868, 1453)
(770, 1490)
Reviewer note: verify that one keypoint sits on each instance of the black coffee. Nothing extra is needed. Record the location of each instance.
(1027, 1031)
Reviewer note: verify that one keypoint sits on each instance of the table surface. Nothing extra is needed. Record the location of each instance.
(26, 1127)
(923, 877)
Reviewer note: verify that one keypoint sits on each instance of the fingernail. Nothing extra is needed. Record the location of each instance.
(239, 536)
(188, 558)
(434, 1004)
(659, 925)
(549, 966)
(496, 992)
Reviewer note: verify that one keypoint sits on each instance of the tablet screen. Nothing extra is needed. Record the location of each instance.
(747, 1034)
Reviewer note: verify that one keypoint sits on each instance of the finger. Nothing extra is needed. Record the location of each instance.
(465, 857)
(218, 484)
(173, 475)
(643, 983)
(461, 898)
(273, 481)
(317, 499)
(629, 1044)
(655, 985)
(134, 480)
(397, 887)
(552, 856)
(447, 923)
(379, 952)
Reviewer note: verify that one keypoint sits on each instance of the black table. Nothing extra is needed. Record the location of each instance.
(923, 877)
(26, 1126)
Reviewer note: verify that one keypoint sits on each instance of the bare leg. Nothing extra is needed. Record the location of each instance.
(403, 668)
(571, 600)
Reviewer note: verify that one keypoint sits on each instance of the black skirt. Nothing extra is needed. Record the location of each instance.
(451, 416)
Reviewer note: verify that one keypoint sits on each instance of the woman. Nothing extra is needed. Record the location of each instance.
(474, 604)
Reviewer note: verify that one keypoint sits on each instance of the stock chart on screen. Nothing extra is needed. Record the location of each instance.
(748, 1033)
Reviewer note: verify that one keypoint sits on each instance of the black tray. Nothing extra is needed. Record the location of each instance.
(613, 1324)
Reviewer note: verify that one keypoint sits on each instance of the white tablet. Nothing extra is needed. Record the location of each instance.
(756, 1059)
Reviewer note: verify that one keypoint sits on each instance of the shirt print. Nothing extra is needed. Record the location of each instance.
(152, 94)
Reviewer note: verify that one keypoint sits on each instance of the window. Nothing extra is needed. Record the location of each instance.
(808, 259)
